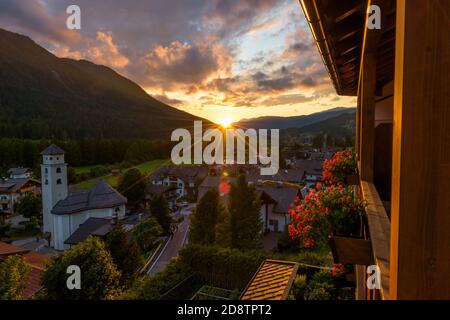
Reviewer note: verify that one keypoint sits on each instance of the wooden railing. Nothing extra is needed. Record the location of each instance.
(379, 233)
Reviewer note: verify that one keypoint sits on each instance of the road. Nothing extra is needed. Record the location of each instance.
(175, 244)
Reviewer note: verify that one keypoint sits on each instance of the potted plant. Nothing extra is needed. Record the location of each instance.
(335, 214)
(341, 169)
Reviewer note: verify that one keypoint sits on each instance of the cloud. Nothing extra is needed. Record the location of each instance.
(199, 54)
(33, 17)
(101, 51)
(185, 65)
(288, 99)
(167, 100)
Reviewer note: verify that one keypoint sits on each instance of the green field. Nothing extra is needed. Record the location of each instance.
(85, 169)
(146, 168)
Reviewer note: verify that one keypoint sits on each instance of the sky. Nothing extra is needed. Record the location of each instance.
(223, 60)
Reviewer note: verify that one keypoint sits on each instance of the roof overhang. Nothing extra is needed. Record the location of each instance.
(338, 28)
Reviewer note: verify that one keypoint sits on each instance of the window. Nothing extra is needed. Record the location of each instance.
(46, 181)
(51, 158)
(58, 181)
(58, 170)
(117, 209)
(46, 170)
(57, 158)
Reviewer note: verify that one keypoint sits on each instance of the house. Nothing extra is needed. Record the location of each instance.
(65, 211)
(169, 192)
(12, 189)
(312, 169)
(222, 184)
(20, 173)
(35, 260)
(97, 227)
(101, 227)
(293, 176)
(276, 202)
(184, 178)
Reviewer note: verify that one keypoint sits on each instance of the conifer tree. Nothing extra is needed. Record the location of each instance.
(205, 217)
(244, 207)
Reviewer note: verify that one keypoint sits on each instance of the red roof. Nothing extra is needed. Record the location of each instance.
(34, 283)
(9, 249)
(33, 259)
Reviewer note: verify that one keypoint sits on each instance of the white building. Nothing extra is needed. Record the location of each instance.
(20, 173)
(276, 202)
(64, 211)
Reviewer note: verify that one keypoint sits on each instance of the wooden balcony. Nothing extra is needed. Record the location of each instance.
(378, 230)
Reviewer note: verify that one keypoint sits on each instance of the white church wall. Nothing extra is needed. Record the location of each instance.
(61, 231)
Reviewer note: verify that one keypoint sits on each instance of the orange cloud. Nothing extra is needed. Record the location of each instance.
(101, 51)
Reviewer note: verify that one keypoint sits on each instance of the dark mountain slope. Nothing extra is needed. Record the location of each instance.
(339, 126)
(43, 96)
(292, 122)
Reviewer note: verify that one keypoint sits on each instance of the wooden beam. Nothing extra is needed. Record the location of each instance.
(420, 209)
(358, 126)
(368, 87)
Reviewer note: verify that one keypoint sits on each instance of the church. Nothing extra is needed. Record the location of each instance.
(63, 210)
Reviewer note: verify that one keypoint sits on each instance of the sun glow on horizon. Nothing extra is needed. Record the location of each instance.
(225, 122)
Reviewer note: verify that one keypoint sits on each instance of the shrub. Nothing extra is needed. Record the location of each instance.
(152, 288)
(99, 279)
(222, 267)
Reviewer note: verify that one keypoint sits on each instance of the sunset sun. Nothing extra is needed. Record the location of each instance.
(225, 122)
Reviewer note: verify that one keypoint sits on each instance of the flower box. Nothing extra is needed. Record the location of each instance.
(351, 250)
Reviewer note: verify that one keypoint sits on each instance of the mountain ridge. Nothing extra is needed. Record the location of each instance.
(277, 122)
(43, 96)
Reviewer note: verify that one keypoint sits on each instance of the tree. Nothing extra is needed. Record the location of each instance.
(133, 185)
(160, 210)
(205, 217)
(71, 175)
(223, 229)
(125, 253)
(318, 141)
(13, 277)
(99, 275)
(245, 224)
(146, 233)
(30, 207)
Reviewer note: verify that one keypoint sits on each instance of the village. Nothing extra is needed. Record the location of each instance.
(70, 215)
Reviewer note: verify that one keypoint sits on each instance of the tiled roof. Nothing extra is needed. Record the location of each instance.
(34, 283)
(101, 195)
(18, 171)
(13, 185)
(284, 175)
(92, 226)
(159, 189)
(7, 249)
(272, 281)
(283, 196)
(51, 150)
(33, 259)
(188, 173)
